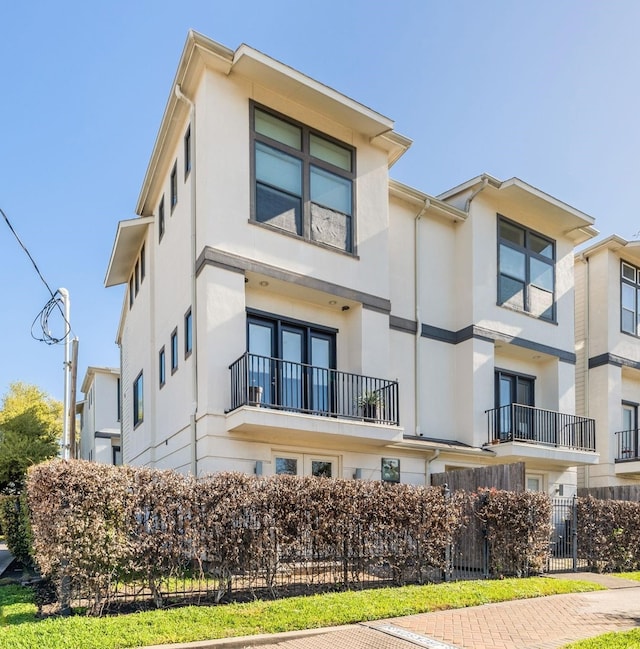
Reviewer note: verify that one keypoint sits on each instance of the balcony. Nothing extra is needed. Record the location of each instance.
(627, 460)
(272, 397)
(533, 433)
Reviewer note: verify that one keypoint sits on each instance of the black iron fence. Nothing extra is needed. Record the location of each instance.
(627, 445)
(279, 384)
(519, 423)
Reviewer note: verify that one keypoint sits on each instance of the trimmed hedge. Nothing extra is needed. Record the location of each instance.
(609, 534)
(14, 515)
(96, 527)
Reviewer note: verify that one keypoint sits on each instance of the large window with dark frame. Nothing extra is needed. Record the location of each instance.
(303, 180)
(629, 299)
(526, 270)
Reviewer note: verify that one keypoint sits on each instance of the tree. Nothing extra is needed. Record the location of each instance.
(30, 431)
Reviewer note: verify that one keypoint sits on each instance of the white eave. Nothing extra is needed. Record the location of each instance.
(129, 238)
(200, 52)
(420, 201)
(625, 249)
(575, 224)
(92, 370)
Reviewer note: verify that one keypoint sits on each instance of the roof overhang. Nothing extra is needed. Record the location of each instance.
(129, 238)
(574, 224)
(424, 202)
(92, 370)
(625, 249)
(201, 52)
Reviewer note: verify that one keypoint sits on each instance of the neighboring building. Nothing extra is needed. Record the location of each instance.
(290, 309)
(608, 347)
(100, 416)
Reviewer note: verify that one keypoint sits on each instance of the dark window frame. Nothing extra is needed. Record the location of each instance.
(138, 400)
(131, 291)
(162, 367)
(188, 333)
(136, 275)
(187, 152)
(118, 399)
(143, 263)
(308, 161)
(161, 222)
(174, 351)
(529, 254)
(636, 286)
(173, 183)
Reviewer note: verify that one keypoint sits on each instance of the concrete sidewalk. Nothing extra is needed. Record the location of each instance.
(539, 623)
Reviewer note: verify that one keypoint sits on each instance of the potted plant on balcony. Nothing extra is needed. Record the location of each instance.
(370, 403)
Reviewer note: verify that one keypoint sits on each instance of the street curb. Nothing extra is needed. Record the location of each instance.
(242, 642)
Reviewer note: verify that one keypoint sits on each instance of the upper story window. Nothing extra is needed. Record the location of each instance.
(188, 333)
(630, 299)
(118, 400)
(162, 377)
(187, 152)
(161, 220)
(526, 270)
(138, 400)
(302, 180)
(174, 350)
(174, 185)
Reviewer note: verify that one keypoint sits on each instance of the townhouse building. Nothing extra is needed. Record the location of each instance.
(607, 276)
(99, 412)
(289, 308)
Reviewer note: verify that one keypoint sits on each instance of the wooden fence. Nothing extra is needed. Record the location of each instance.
(617, 492)
(507, 477)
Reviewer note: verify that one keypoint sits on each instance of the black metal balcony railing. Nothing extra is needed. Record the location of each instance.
(627, 445)
(519, 423)
(296, 387)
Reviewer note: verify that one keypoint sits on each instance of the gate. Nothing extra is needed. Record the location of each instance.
(563, 545)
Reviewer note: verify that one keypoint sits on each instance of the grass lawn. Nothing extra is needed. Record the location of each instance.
(19, 628)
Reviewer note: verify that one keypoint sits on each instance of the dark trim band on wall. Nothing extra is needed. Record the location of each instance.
(477, 333)
(612, 359)
(211, 257)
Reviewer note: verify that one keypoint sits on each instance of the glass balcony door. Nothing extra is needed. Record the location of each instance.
(513, 390)
(293, 364)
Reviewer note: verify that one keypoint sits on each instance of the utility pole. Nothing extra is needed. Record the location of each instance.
(72, 399)
(64, 294)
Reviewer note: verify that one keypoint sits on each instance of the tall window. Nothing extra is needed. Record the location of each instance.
(136, 275)
(630, 299)
(118, 398)
(187, 152)
(131, 291)
(174, 350)
(143, 263)
(188, 333)
(174, 186)
(303, 180)
(161, 219)
(138, 400)
(162, 377)
(526, 270)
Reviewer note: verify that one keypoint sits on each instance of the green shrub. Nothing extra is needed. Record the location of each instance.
(14, 515)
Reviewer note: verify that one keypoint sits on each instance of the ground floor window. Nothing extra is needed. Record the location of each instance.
(303, 464)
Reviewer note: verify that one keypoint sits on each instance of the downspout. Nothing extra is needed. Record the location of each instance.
(467, 205)
(417, 286)
(194, 296)
(587, 351)
(427, 467)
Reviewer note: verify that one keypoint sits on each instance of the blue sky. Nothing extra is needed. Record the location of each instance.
(547, 91)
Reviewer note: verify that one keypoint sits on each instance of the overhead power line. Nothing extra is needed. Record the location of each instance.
(54, 303)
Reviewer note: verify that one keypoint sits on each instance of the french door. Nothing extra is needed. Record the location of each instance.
(513, 390)
(291, 362)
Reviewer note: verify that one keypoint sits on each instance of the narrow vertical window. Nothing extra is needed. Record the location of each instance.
(143, 263)
(118, 400)
(161, 367)
(174, 185)
(188, 333)
(630, 299)
(187, 152)
(138, 400)
(174, 351)
(131, 291)
(136, 275)
(161, 220)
